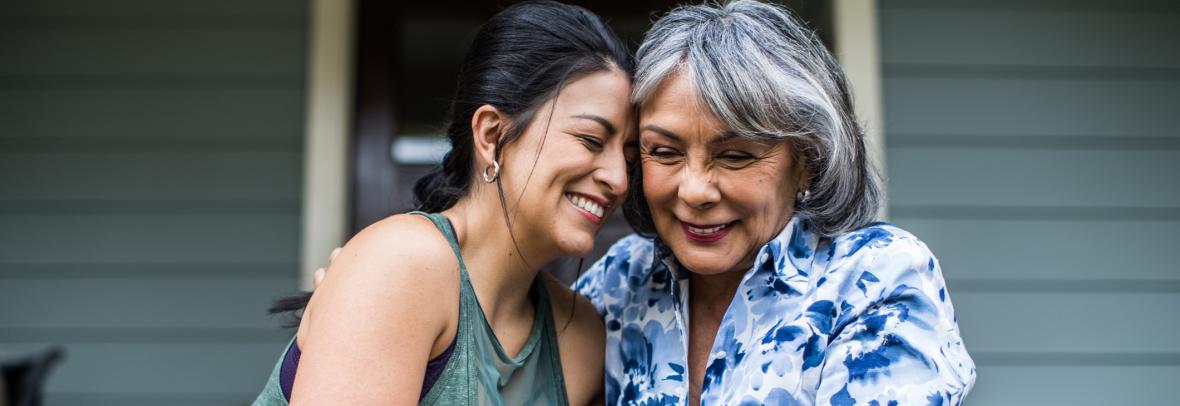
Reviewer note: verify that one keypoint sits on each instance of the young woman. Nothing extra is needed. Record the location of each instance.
(446, 305)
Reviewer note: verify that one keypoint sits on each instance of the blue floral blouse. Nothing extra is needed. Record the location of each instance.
(860, 319)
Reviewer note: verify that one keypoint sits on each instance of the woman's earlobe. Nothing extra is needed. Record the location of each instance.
(802, 194)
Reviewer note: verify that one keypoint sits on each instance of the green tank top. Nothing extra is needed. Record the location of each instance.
(479, 371)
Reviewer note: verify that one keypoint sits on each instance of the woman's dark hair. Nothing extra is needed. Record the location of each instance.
(519, 59)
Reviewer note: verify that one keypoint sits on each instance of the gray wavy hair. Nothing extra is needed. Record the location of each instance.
(766, 76)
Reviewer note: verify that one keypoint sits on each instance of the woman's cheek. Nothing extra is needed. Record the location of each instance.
(657, 181)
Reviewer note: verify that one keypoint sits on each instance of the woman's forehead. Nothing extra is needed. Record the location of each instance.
(676, 91)
(676, 104)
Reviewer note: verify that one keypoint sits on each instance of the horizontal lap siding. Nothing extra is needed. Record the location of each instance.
(150, 180)
(201, 175)
(1046, 251)
(1036, 177)
(98, 47)
(948, 108)
(1090, 323)
(167, 112)
(1033, 146)
(982, 34)
(1075, 385)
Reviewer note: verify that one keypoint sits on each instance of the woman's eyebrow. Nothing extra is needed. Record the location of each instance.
(662, 131)
(723, 138)
(720, 138)
(606, 124)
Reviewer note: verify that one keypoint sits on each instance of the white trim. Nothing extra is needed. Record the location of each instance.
(329, 106)
(858, 49)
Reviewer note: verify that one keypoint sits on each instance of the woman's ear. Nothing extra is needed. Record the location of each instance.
(487, 125)
(799, 170)
(803, 174)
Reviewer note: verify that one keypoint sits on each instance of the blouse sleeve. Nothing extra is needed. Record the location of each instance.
(602, 282)
(589, 285)
(898, 342)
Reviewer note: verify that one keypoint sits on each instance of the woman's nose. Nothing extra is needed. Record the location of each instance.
(698, 188)
(613, 174)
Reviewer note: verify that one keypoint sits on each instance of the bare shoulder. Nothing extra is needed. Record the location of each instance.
(408, 238)
(392, 265)
(374, 289)
(387, 257)
(582, 340)
(400, 247)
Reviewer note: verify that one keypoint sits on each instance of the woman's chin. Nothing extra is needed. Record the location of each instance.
(706, 265)
(576, 246)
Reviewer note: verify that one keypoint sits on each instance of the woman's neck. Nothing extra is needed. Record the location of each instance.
(500, 277)
(714, 293)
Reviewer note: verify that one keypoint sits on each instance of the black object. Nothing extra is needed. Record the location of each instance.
(25, 376)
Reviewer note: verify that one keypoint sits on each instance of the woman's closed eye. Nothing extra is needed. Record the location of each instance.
(736, 158)
(663, 154)
(591, 142)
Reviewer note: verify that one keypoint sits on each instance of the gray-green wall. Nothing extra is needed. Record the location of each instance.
(150, 176)
(1033, 145)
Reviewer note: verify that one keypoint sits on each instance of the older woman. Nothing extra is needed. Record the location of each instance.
(758, 276)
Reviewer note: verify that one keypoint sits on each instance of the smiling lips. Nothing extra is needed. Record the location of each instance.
(588, 207)
(706, 233)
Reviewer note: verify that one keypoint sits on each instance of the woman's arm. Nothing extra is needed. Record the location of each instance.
(582, 340)
(371, 328)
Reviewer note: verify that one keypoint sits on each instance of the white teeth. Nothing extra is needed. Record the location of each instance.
(709, 230)
(586, 204)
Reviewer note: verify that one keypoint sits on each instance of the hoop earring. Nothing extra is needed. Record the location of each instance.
(802, 194)
(495, 167)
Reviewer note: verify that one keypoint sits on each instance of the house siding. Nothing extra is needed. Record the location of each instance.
(1032, 145)
(150, 179)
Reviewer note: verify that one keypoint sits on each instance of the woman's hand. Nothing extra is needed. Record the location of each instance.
(318, 275)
